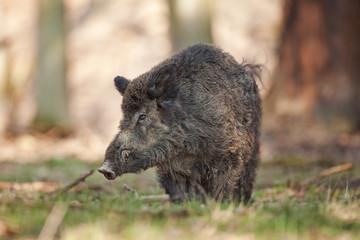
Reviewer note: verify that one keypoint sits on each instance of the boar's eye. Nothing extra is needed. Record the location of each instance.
(142, 116)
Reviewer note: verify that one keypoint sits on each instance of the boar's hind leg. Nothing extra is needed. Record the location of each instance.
(247, 180)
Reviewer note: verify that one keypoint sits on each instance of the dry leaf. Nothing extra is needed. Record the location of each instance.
(6, 230)
(30, 186)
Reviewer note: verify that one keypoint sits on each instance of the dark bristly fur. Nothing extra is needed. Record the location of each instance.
(196, 117)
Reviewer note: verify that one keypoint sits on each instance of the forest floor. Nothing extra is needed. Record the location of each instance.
(293, 199)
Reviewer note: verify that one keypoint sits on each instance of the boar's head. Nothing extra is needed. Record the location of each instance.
(145, 137)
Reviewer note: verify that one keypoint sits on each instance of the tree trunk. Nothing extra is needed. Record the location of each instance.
(317, 80)
(4, 79)
(52, 109)
(190, 22)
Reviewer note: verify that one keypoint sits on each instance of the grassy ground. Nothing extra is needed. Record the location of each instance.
(282, 207)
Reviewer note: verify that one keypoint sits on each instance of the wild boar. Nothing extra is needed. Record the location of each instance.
(196, 118)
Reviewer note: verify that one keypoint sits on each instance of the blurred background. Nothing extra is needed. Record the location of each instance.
(58, 59)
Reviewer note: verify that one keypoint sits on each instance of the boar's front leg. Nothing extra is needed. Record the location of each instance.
(180, 187)
(175, 188)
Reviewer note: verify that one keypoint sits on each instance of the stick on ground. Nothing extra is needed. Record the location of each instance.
(328, 172)
(77, 181)
(163, 197)
(333, 170)
(53, 222)
(130, 189)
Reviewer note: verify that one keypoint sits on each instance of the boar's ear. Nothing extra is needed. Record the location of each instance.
(121, 84)
(162, 82)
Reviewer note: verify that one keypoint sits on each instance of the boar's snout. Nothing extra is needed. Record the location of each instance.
(106, 170)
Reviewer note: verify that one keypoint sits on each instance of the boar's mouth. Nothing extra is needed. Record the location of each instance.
(107, 172)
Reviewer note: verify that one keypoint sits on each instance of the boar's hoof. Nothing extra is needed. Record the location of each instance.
(109, 174)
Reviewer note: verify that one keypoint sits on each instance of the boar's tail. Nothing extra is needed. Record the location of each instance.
(255, 71)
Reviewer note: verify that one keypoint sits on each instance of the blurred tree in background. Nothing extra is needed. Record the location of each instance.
(13, 83)
(190, 22)
(318, 75)
(4, 79)
(52, 108)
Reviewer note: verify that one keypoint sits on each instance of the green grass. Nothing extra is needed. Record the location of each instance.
(100, 209)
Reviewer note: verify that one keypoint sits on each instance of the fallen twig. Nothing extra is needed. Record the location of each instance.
(76, 182)
(328, 172)
(53, 222)
(333, 170)
(163, 197)
(130, 189)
